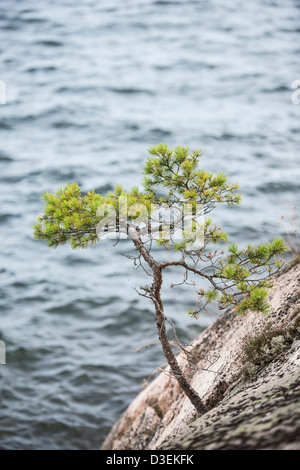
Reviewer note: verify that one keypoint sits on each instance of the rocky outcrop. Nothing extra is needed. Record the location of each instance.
(261, 415)
(261, 412)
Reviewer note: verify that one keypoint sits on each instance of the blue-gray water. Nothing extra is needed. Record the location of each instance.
(90, 86)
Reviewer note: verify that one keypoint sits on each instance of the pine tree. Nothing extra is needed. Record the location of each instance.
(173, 180)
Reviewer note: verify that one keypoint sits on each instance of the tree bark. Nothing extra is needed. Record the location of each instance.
(162, 332)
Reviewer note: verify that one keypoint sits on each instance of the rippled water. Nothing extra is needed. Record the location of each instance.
(90, 86)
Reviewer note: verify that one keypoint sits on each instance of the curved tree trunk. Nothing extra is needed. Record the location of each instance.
(162, 332)
(166, 347)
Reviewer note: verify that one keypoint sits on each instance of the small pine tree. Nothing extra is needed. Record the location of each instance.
(173, 179)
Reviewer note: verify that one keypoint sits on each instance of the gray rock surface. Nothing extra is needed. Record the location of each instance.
(263, 414)
(259, 413)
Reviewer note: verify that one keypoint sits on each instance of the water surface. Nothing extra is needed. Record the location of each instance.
(90, 86)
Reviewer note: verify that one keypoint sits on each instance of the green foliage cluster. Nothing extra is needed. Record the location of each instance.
(177, 171)
(241, 268)
(72, 217)
(172, 176)
(68, 217)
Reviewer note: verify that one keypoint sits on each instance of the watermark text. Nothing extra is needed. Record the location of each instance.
(296, 94)
(2, 353)
(2, 92)
(176, 222)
